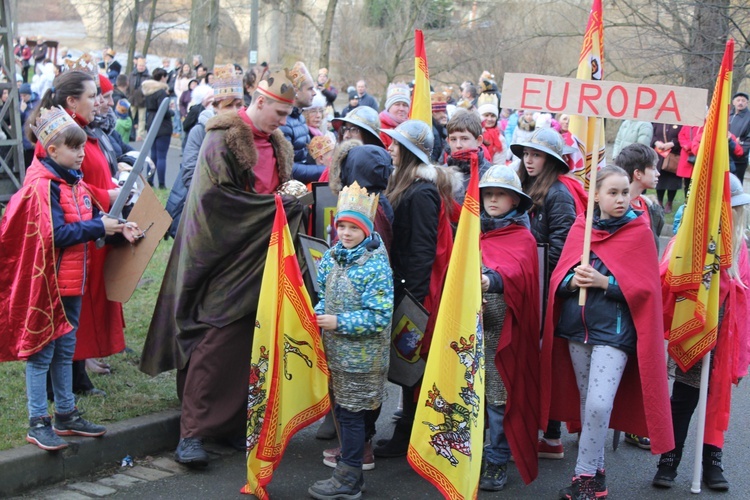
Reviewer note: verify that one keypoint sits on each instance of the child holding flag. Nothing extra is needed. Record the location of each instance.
(355, 310)
(586, 348)
(732, 340)
(510, 280)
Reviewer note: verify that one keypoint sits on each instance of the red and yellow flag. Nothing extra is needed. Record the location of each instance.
(590, 67)
(288, 387)
(448, 433)
(421, 105)
(703, 245)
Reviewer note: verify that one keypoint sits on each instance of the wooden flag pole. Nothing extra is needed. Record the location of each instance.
(590, 207)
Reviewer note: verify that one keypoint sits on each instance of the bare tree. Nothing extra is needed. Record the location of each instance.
(150, 29)
(204, 30)
(134, 15)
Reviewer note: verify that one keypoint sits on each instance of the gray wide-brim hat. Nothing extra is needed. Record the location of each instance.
(365, 118)
(416, 136)
(502, 176)
(547, 140)
(739, 196)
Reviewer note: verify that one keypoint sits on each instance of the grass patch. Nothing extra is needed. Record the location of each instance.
(130, 393)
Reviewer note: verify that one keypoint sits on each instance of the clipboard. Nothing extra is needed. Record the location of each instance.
(126, 263)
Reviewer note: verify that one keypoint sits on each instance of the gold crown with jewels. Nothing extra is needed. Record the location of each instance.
(354, 198)
(50, 123)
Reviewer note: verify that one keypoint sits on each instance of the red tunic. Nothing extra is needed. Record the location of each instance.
(511, 251)
(642, 402)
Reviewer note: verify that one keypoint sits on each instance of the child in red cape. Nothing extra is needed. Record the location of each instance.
(510, 282)
(627, 344)
(729, 360)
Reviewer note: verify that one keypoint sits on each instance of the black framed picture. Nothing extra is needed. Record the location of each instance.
(324, 211)
(408, 327)
(313, 250)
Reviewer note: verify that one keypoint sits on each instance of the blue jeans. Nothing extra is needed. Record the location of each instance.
(159, 155)
(57, 359)
(497, 451)
(176, 121)
(352, 427)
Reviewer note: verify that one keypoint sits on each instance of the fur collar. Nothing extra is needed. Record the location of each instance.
(339, 157)
(239, 140)
(152, 86)
(429, 173)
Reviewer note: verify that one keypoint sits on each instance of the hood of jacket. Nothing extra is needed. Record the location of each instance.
(206, 115)
(152, 86)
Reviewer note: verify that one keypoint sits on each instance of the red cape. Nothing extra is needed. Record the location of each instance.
(511, 251)
(30, 303)
(642, 403)
(437, 276)
(730, 356)
(580, 197)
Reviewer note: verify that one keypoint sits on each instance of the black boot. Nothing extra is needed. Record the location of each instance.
(667, 471)
(398, 445)
(712, 469)
(346, 483)
(327, 429)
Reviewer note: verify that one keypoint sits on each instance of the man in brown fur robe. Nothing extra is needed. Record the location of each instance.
(204, 318)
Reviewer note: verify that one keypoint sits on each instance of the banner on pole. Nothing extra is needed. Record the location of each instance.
(607, 99)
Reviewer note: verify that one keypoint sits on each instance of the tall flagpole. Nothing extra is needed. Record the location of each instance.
(590, 207)
(702, 400)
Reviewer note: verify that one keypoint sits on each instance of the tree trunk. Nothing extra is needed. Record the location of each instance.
(325, 37)
(707, 43)
(204, 30)
(133, 38)
(111, 24)
(150, 29)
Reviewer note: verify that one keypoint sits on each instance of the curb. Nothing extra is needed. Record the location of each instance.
(28, 467)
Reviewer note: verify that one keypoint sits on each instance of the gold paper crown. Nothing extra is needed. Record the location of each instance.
(299, 75)
(487, 99)
(85, 64)
(354, 198)
(320, 145)
(227, 85)
(278, 87)
(50, 123)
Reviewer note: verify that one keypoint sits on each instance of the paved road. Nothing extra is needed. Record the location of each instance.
(629, 471)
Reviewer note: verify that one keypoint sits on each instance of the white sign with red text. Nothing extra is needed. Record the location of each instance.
(607, 99)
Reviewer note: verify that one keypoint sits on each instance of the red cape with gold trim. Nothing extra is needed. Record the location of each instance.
(511, 251)
(642, 403)
(30, 302)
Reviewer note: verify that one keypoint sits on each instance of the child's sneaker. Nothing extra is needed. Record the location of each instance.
(583, 488)
(600, 487)
(332, 455)
(493, 477)
(41, 434)
(73, 424)
(550, 451)
(639, 441)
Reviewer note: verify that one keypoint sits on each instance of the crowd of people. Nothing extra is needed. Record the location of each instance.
(400, 183)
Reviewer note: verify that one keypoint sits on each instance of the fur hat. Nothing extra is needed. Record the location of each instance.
(397, 92)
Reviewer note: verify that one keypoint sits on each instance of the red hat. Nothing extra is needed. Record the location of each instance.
(105, 84)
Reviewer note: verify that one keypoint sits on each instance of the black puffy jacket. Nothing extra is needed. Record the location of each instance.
(155, 92)
(415, 233)
(552, 223)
